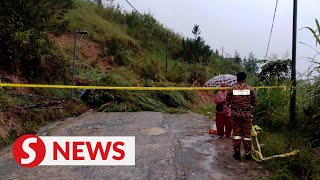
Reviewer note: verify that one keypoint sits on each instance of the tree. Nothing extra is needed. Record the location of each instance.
(273, 57)
(196, 31)
(99, 3)
(32, 14)
(251, 64)
(237, 58)
(196, 50)
(24, 46)
(217, 52)
(278, 71)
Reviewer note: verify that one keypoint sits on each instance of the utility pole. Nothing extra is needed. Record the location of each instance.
(222, 51)
(293, 122)
(167, 51)
(75, 56)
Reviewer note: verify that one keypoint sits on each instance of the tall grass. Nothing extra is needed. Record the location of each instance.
(85, 16)
(272, 110)
(120, 32)
(305, 137)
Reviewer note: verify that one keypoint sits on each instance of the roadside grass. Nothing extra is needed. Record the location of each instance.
(16, 120)
(7, 101)
(272, 110)
(272, 114)
(207, 109)
(53, 92)
(274, 143)
(304, 165)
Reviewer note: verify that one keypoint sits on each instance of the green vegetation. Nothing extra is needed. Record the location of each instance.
(136, 52)
(251, 64)
(277, 71)
(207, 109)
(195, 50)
(272, 114)
(20, 115)
(27, 54)
(25, 47)
(129, 52)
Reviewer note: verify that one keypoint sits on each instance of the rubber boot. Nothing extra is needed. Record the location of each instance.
(237, 155)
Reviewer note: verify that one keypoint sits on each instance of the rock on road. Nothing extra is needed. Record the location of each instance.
(168, 146)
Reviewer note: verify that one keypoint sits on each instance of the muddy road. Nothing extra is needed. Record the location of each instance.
(168, 146)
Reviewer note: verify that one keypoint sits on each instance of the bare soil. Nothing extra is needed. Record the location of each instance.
(88, 49)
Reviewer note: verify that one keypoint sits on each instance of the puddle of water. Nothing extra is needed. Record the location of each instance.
(190, 141)
(153, 131)
(83, 132)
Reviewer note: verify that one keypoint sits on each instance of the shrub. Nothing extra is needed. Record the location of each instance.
(198, 73)
(25, 49)
(276, 71)
(272, 110)
(32, 55)
(178, 73)
(171, 99)
(196, 50)
(311, 111)
(150, 69)
(120, 51)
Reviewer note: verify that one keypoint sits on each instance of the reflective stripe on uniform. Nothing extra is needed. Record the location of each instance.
(236, 137)
(247, 139)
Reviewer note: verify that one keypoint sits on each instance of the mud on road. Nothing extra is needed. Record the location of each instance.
(168, 146)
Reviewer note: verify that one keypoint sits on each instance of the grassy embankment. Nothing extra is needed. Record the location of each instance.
(120, 50)
(135, 53)
(272, 114)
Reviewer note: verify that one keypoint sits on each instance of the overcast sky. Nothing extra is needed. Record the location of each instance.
(242, 25)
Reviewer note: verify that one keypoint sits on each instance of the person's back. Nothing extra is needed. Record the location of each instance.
(242, 102)
(242, 99)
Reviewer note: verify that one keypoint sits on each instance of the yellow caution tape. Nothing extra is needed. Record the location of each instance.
(257, 154)
(129, 88)
(257, 128)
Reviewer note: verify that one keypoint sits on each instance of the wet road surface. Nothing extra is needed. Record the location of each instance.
(168, 146)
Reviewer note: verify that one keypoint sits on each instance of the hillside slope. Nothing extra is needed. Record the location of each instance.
(121, 49)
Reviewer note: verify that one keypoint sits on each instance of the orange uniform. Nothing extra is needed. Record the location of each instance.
(241, 98)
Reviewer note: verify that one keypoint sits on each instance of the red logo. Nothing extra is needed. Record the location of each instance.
(29, 150)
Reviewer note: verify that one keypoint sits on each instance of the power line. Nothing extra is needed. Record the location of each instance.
(145, 18)
(274, 16)
(166, 32)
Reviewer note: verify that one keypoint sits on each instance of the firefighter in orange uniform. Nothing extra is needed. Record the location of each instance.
(241, 98)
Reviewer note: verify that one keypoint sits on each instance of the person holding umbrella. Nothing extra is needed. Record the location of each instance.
(223, 114)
